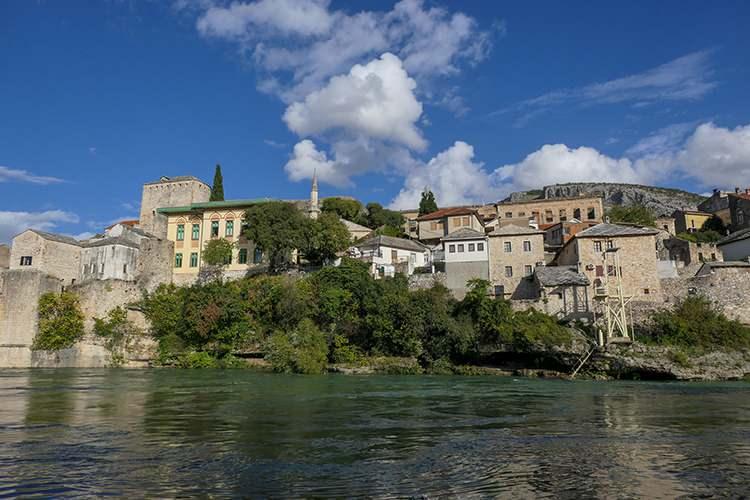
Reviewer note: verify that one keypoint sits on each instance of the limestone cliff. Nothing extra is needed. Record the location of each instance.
(661, 201)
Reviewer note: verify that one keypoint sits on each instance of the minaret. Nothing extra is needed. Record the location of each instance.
(314, 209)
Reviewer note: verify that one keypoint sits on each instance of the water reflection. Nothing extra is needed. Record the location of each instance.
(177, 433)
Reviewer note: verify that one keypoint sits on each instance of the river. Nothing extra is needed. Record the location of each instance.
(168, 432)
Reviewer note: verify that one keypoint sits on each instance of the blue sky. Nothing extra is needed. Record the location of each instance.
(473, 99)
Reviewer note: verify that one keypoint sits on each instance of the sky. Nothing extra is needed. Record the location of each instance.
(472, 100)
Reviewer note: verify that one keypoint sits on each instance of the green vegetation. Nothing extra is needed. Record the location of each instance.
(633, 214)
(115, 329)
(715, 224)
(336, 315)
(427, 204)
(377, 217)
(217, 189)
(696, 325)
(324, 238)
(217, 252)
(701, 236)
(60, 321)
(345, 208)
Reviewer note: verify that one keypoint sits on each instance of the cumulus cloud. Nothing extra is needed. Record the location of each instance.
(687, 78)
(8, 174)
(376, 100)
(12, 223)
(306, 160)
(717, 157)
(453, 176)
(432, 42)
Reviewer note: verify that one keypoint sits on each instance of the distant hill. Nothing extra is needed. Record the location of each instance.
(661, 201)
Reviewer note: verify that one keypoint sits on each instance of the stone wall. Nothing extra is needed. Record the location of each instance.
(61, 260)
(425, 281)
(154, 265)
(169, 193)
(106, 262)
(459, 273)
(4, 256)
(552, 211)
(519, 285)
(728, 288)
(97, 298)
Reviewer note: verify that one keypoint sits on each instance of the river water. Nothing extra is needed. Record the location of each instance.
(166, 433)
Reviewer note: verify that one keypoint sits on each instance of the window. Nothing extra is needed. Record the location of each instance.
(178, 260)
(527, 246)
(535, 216)
(101, 268)
(508, 271)
(257, 256)
(600, 270)
(214, 229)
(26, 260)
(180, 232)
(229, 230)
(194, 259)
(577, 213)
(548, 216)
(522, 214)
(242, 257)
(713, 256)
(700, 256)
(646, 291)
(528, 270)
(467, 221)
(460, 247)
(471, 247)
(124, 269)
(196, 231)
(563, 214)
(452, 248)
(597, 246)
(499, 290)
(507, 247)
(610, 244)
(508, 215)
(228, 259)
(480, 247)
(591, 213)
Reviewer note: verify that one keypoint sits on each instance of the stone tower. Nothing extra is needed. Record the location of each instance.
(314, 209)
(169, 192)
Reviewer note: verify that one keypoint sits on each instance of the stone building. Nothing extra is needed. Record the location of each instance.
(739, 210)
(52, 254)
(596, 250)
(514, 253)
(563, 291)
(718, 205)
(431, 228)
(557, 235)
(684, 253)
(736, 246)
(4, 256)
(666, 224)
(169, 192)
(552, 211)
(466, 257)
(690, 221)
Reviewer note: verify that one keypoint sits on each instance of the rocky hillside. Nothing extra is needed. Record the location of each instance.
(661, 201)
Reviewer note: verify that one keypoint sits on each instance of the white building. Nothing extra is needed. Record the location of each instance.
(388, 255)
(736, 246)
(466, 257)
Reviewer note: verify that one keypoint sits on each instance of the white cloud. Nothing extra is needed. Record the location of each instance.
(717, 157)
(12, 223)
(453, 176)
(686, 78)
(431, 41)
(306, 160)
(376, 100)
(275, 144)
(8, 174)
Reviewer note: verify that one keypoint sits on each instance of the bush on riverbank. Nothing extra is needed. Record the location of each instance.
(338, 315)
(695, 324)
(60, 321)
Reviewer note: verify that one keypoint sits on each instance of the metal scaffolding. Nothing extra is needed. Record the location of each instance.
(616, 327)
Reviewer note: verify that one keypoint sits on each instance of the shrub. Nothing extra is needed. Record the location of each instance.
(164, 309)
(60, 321)
(115, 329)
(343, 352)
(303, 350)
(199, 359)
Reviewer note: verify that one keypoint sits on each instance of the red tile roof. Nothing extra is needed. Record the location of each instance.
(129, 222)
(448, 212)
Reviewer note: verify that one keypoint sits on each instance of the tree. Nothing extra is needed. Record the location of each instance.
(218, 252)
(217, 190)
(427, 204)
(715, 224)
(325, 237)
(343, 207)
(60, 321)
(276, 228)
(633, 214)
(378, 216)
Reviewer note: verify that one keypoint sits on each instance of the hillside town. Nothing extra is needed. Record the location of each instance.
(559, 255)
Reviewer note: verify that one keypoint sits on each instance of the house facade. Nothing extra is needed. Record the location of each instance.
(515, 252)
(736, 246)
(52, 254)
(557, 235)
(552, 211)
(739, 210)
(388, 255)
(717, 204)
(690, 221)
(436, 225)
(466, 257)
(598, 250)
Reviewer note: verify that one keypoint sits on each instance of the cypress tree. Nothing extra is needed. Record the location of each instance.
(217, 190)
(427, 204)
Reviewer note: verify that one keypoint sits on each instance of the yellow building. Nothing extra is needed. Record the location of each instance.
(191, 227)
(690, 221)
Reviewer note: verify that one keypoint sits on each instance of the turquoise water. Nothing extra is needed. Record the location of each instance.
(166, 433)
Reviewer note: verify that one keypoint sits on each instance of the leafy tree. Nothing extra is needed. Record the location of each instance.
(218, 252)
(427, 204)
(217, 190)
(378, 216)
(302, 350)
(633, 214)
(343, 207)
(714, 224)
(276, 228)
(60, 321)
(324, 238)
(395, 232)
(163, 309)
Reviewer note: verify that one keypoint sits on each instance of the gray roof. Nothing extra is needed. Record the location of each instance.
(614, 230)
(465, 234)
(390, 241)
(60, 238)
(560, 276)
(742, 234)
(103, 242)
(353, 226)
(512, 229)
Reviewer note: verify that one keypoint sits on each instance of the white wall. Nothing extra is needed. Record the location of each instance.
(466, 255)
